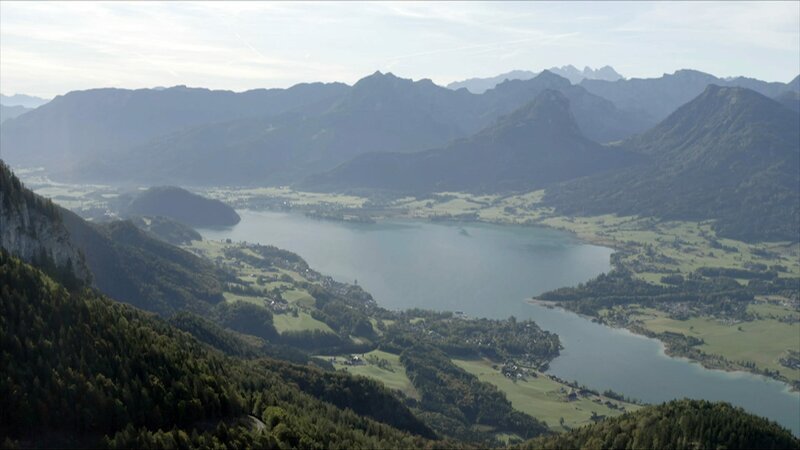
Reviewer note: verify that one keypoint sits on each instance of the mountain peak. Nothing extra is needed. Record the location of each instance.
(692, 74)
(551, 77)
(735, 97)
(379, 80)
(548, 113)
(549, 103)
(535, 146)
(378, 75)
(721, 120)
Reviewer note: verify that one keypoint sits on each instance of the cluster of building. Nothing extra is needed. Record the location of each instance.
(352, 360)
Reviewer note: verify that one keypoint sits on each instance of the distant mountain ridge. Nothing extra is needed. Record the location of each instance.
(27, 101)
(380, 113)
(533, 147)
(199, 137)
(101, 122)
(599, 119)
(731, 154)
(656, 98)
(10, 112)
(570, 72)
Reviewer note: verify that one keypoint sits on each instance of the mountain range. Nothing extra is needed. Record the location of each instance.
(731, 154)
(103, 122)
(380, 113)
(656, 98)
(27, 101)
(277, 136)
(570, 72)
(660, 136)
(533, 147)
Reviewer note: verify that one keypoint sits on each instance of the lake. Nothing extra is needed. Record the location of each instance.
(487, 270)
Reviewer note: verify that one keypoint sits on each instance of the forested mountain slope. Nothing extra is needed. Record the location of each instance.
(731, 154)
(677, 424)
(141, 375)
(130, 266)
(789, 99)
(31, 228)
(119, 259)
(598, 118)
(183, 206)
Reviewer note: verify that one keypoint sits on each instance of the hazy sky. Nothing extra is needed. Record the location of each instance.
(51, 48)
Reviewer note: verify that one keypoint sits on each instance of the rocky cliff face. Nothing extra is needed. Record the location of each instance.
(31, 228)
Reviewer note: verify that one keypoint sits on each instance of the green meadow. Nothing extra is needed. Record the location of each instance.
(543, 398)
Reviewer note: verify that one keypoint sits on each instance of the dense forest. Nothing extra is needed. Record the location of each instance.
(166, 229)
(677, 424)
(183, 206)
(141, 375)
(132, 267)
(717, 294)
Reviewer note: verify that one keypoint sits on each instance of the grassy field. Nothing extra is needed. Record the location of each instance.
(231, 297)
(761, 341)
(241, 197)
(298, 296)
(658, 248)
(303, 321)
(393, 376)
(542, 397)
